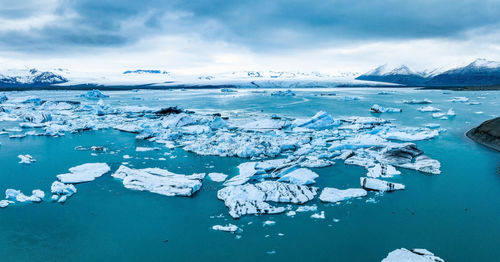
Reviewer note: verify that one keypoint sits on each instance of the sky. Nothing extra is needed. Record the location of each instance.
(196, 36)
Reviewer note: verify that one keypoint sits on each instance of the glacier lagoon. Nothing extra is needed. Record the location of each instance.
(452, 214)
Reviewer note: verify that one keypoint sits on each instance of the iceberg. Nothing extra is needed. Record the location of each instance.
(283, 93)
(226, 228)
(250, 199)
(26, 159)
(378, 109)
(94, 95)
(5, 203)
(61, 191)
(320, 120)
(428, 109)
(301, 176)
(412, 255)
(418, 102)
(320, 215)
(382, 170)
(36, 196)
(84, 173)
(217, 177)
(159, 181)
(330, 194)
(379, 185)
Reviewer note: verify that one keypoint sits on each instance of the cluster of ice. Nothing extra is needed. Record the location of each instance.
(444, 116)
(228, 228)
(418, 102)
(26, 159)
(412, 255)
(159, 181)
(280, 150)
(250, 199)
(84, 173)
(460, 99)
(94, 94)
(12, 195)
(283, 93)
(61, 191)
(379, 109)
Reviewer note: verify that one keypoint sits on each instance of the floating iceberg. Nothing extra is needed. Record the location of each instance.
(159, 181)
(227, 228)
(283, 93)
(412, 255)
(330, 194)
(61, 191)
(301, 176)
(378, 109)
(26, 159)
(250, 199)
(94, 95)
(36, 196)
(320, 120)
(418, 102)
(428, 109)
(217, 177)
(320, 215)
(380, 185)
(84, 173)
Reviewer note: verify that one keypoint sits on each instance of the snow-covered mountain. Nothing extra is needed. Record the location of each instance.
(31, 77)
(399, 75)
(480, 72)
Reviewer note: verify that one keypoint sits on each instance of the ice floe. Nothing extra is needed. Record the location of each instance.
(418, 102)
(330, 194)
(84, 173)
(94, 94)
(61, 191)
(26, 159)
(428, 109)
(217, 177)
(16, 195)
(159, 181)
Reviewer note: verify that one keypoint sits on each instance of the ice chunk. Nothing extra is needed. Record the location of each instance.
(159, 181)
(380, 185)
(320, 120)
(330, 194)
(320, 215)
(217, 177)
(410, 134)
(5, 203)
(26, 159)
(459, 99)
(301, 176)
(379, 109)
(428, 109)
(311, 208)
(283, 93)
(382, 170)
(269, 223)
(417, 102)
(247, 171)
(146, 149)
(84, 173)
(94, 95)
(252, 198)
(413, 255)
(227, 228)
(59, 188)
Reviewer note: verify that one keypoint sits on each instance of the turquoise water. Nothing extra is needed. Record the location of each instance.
(455, 214)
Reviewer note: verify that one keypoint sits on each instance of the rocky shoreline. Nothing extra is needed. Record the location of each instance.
(487, 133)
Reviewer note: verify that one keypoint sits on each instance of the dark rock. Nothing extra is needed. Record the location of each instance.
(487, 133)
(169, 111)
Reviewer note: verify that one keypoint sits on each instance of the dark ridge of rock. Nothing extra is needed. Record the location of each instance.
(169, 111)
(487, 133)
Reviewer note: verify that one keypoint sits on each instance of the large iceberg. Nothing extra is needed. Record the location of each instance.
(250, 199)
(379, 185)
(412, 255)
(330, 194)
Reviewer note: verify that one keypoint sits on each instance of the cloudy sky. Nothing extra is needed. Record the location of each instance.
(214, 36)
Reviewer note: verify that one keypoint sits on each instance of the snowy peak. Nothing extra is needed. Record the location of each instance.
(146, 71)
(31, 77)
(385, 70)
(399, 75)
(483, 63)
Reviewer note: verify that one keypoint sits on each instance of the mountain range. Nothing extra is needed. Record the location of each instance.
(480, 72)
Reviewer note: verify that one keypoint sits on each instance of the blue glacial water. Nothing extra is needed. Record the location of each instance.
(455, 214)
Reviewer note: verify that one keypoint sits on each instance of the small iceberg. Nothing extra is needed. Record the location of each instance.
(217, 177)
(428, 109)
(61, 191)
(379, 109)
(227, 228)
(26, 159)
(380, 185)
(94, 95)
(283, 93)
(418, 102)
(37, 196)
